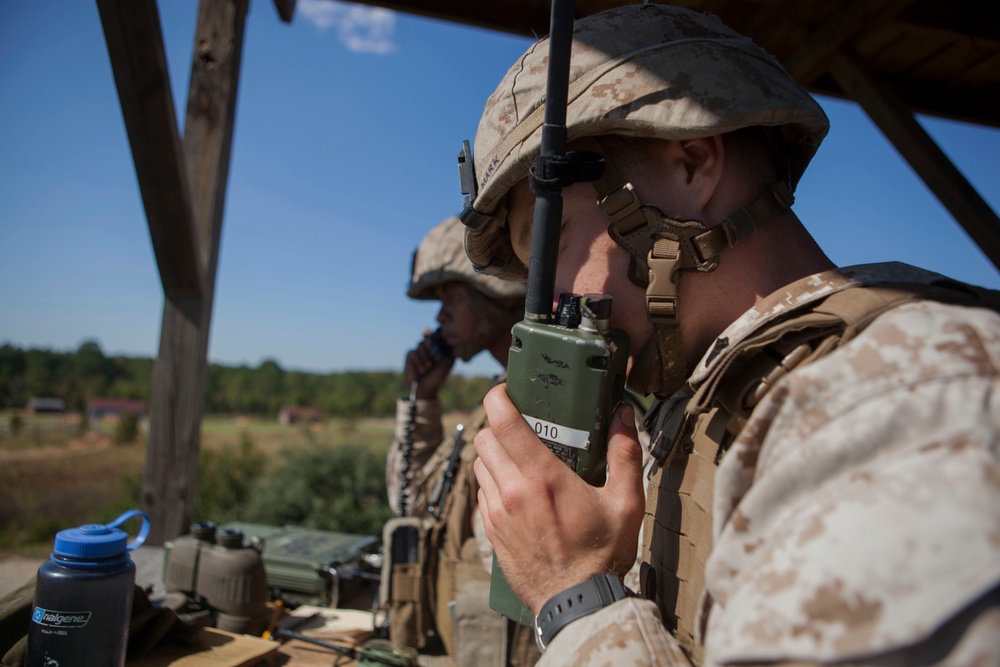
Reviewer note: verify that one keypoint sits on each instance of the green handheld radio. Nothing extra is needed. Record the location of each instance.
(566, 377)
(566, 374)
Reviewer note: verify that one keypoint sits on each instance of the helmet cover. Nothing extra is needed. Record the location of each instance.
(441, 259)
(644, 70)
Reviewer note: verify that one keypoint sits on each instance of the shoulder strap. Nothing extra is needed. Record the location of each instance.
(745, 372)
(815, 330)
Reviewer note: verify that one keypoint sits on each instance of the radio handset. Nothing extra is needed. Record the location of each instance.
(439, 348)
(439, 351)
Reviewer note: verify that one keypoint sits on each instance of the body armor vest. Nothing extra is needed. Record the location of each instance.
(691, 432)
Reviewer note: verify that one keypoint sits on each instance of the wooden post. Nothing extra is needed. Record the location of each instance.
(286, 9)
(177, 402)
(135, 46)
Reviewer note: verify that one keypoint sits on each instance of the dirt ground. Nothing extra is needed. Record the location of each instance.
(15, 570)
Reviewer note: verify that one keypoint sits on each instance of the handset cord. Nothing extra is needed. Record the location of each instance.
(406, 449)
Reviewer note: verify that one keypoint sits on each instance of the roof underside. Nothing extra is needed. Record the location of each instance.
(940, 58)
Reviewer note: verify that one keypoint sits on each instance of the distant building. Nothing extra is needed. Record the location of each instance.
(296, 413)
(39, 404)
(115, 407)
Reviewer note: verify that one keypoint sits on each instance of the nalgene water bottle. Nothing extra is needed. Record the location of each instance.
(83, 597)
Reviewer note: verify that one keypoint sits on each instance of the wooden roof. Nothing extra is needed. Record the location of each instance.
(940, 58)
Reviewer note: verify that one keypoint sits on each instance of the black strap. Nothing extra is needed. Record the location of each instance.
(552, 173)
(597, 592)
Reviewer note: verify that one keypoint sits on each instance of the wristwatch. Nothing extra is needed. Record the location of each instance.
(597, 592)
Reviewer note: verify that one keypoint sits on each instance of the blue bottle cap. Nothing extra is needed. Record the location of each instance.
(91, 541)
(99, 541)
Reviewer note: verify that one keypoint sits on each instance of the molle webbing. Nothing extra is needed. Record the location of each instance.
(447, 553)
(453, 556)
(678, 531)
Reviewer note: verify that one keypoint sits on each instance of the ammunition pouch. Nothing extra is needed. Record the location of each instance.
(406, 595)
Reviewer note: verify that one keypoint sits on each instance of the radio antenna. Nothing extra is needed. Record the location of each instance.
(553, 169)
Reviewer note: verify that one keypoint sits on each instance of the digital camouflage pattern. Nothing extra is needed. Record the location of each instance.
(430, 455)
(455, 552)
(441, 259)
(642, 70)
(857, 514)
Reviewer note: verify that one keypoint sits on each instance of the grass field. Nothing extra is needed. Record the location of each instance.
(56, 473)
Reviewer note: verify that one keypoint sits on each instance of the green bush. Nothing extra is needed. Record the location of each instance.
(87, 373)
(16, 423)
(226, 478)
(127, 429)
(338, 488)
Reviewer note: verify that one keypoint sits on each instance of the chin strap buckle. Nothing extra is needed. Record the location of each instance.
(664, 261)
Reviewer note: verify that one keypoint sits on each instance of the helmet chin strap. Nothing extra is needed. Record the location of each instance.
(660, 248)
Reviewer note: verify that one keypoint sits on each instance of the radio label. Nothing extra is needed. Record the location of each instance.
(559, 434)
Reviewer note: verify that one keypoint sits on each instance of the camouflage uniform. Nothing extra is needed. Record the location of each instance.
(856, 515)
(853, 514)
(429, 458)
(463, 556)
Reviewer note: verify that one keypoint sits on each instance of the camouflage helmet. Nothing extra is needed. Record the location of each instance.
(441, 259)
(644, 71)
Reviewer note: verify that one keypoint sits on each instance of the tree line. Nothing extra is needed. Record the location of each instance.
(87, 373)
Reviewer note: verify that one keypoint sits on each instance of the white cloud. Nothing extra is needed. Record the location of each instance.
(363, 29)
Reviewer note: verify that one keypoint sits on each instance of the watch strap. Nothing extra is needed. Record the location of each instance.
(597, 592)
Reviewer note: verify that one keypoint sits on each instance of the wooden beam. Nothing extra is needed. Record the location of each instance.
(528, 18)
(286, 9)
(899, 125)
(811, 60)
(177, 402)
(967, 20)
(135, 46)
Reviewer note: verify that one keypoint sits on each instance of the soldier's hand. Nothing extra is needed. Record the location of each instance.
(429, 374)
(549, 528)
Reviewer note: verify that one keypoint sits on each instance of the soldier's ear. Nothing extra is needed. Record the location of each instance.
(702, 160)
(689, 172)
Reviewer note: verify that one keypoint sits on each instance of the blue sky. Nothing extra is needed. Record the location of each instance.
(348, 125)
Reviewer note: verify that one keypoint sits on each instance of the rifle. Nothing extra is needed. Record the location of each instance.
(442, 488)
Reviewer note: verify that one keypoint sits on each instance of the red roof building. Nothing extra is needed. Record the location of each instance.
(101, 407)
(298, 413)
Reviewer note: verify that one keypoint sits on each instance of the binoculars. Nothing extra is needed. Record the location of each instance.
(214, 577)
